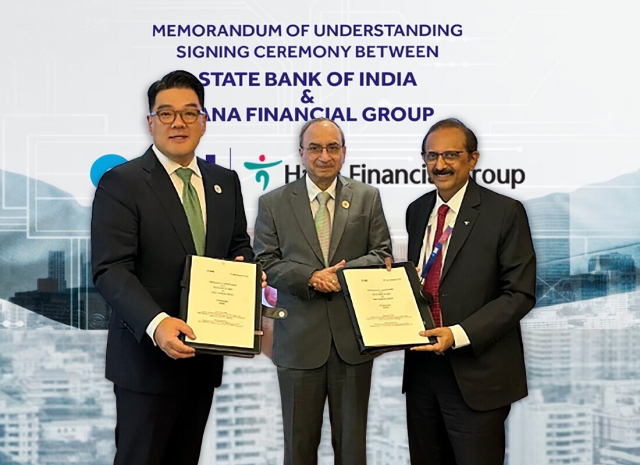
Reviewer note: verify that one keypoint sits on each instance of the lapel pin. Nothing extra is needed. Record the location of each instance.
(218, 189)
(345, 204)
(466, 223)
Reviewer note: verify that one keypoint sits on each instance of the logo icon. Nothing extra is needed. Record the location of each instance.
(104, 164)
(261, 175)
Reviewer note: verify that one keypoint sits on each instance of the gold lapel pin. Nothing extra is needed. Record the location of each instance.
(218, 189)
(345, 204)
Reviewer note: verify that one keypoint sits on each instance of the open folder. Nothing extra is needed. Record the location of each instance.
(387, 308)
(221, 301)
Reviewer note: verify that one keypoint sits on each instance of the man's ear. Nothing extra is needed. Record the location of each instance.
(474, 158)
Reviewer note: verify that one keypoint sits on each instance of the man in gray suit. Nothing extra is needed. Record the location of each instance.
(304, 233)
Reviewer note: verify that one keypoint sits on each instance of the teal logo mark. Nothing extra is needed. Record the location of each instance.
(261, 175)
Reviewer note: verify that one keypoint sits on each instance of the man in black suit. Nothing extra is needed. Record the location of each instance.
(476, 257)
(148, 215)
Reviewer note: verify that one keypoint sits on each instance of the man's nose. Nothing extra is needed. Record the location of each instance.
(440, 163)
(178, 122)
(324, 155)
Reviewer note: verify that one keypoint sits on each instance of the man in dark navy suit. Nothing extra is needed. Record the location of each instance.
(148, 215)
(476, 257)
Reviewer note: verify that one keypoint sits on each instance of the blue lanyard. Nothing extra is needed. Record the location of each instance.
(437, 248)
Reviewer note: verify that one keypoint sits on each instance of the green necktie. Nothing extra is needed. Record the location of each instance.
(323, 225)
(192, 208)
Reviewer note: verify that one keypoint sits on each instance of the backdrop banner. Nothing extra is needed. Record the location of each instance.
(549, 87)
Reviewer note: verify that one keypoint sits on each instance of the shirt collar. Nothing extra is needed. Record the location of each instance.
(454, 202)
(171, 166)
(313, 190)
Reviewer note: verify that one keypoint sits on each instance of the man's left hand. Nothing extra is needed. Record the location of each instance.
(325, 280)
(445, 340)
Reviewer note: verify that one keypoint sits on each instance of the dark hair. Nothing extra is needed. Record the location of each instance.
(176, 80)
(471, 141)
(319, 120)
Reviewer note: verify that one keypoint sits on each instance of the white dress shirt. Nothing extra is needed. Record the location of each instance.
(196, 180)
(459, 335)
(313, 191)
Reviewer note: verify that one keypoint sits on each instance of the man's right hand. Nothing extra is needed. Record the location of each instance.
(166, 336)
(326, 280)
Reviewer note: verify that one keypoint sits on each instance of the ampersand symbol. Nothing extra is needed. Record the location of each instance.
(306, 97)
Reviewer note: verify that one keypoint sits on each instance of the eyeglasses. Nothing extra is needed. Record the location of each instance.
(316, 149)
(448, 156)
(168, 116)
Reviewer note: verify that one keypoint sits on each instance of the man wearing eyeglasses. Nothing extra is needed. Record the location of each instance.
(477, 261)
(148, 215)
(304, 233)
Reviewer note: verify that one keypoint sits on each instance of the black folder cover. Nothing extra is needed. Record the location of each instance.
(422, 301)
(223, 349)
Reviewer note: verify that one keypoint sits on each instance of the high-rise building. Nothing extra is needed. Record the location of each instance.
(550, 433)
(19, 430)
(582, 286)
(387, 442)
(245, 425)
(548, 352)
(616, 425)
(620, 270)
(549, 217)
(57, 396)
(57, 268)
(591, 340)
(620, 454)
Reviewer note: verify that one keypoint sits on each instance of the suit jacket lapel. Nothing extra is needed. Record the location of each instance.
(344, 194)
(299, 199)
(214, 206)
(464, 224)
(161, 184)
(420, 229)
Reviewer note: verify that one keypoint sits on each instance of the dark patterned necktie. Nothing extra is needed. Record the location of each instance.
(432, 281)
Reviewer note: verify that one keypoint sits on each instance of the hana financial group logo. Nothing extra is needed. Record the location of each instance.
(261, 174)
(111, 160)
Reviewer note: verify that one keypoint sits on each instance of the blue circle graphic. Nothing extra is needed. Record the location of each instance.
(104, 164)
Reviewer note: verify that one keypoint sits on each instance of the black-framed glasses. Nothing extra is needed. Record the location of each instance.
(448, 156)
(316, 149)
(168, 116)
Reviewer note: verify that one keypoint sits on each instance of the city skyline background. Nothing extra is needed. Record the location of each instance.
(582, 347)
